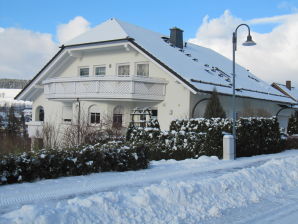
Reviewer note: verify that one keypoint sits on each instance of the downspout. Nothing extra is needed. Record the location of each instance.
(79, 119)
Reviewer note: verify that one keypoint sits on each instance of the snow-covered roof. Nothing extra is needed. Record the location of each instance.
(201, 67)
(283, 88)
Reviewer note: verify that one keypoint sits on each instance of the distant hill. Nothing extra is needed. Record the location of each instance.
(13, 83)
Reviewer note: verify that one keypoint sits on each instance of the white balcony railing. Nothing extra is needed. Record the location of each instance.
(108, 87)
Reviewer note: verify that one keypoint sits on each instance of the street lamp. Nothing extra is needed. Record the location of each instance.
(248, 42)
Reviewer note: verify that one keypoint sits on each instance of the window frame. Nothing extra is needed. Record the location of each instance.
(66, 119)
(123, 64)
(117, 124)
(82, 67)
(97, 115)
(99, 66)
(141, 63)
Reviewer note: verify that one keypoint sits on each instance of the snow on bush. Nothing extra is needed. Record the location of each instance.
(50, 163)
(196, 137)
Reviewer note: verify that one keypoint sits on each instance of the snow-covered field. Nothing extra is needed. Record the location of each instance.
(260, 189)
(7, 98)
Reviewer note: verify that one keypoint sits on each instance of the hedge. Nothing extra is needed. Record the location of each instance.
(196, 137)
(47, 164)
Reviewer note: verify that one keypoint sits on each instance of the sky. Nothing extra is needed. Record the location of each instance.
(31, 31)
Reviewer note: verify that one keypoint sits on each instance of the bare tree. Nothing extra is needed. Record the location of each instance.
(82, 132)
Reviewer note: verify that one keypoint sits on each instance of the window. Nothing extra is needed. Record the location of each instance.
(117, 120)
(117, 116)
(39, 113)
(100, 70)
(123, 70)
(94, 114)
(95, 118)
(67, 114)
(143, 69)
(84, 71)
(154, 114)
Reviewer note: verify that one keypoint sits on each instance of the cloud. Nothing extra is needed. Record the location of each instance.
(287, 6)
(273, 59)
(24, 52)
(73, 28)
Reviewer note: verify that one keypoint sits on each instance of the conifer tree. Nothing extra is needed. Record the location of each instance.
(293, 124)
(13, 122)
(214, 108)
(1, 123)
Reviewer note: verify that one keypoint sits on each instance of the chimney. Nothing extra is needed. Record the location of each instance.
(288, 85)
(176, 37)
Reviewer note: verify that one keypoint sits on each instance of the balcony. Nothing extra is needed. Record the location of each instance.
(107, 87)
(35, 129)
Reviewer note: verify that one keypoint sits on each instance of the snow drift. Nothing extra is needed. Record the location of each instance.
(177, 200)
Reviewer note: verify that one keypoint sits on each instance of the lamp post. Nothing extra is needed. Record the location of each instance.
(248, 42)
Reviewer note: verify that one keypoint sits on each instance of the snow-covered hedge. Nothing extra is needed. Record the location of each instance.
(196, 137)
(291, 142)
(46, 164)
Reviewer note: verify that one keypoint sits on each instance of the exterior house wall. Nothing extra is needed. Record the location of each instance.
(176, 102)
(245, 107)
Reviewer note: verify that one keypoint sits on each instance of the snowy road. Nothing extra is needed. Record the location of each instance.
(205, 190)
(280, 209)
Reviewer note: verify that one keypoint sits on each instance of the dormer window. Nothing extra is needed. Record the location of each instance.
(143, 69)
(84, 71)
(123, 70)
(100, 70)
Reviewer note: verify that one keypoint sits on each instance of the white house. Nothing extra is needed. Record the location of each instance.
(116, 67)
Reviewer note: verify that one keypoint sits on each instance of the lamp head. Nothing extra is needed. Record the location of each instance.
(249, 41)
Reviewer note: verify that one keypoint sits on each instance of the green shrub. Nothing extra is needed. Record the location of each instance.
(48, 163)
(214, 107)
(196, 137)
(291, 142)
(293, 124)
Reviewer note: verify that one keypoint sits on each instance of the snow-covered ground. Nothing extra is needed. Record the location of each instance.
(259, 189)
(7, 98)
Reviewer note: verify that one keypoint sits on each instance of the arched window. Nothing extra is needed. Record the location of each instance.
(94, 114)
(118, 116)
(39, 114)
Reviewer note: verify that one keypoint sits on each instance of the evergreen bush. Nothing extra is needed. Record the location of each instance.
(293, 124)
(196, 137)
(49, 163)
(214, 108)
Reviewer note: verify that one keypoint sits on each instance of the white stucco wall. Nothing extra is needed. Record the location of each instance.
(175, 105)
(244, 107)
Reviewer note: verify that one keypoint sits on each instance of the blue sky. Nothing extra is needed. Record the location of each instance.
(31, 31)
(44, 16)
